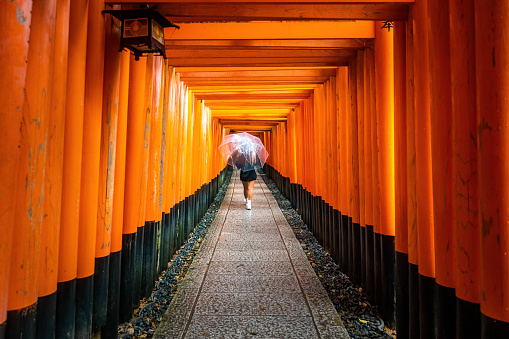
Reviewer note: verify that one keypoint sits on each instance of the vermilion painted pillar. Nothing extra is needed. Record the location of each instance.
(342, 89)
(362, 187)
(115, 282)
(16, 18)
(369, 95)
(424, 182)
(50, 233)
(384, 78)
(400, 175)
(30, 176)
(413, 258)
(133, 210)
(441, 144)
(492, 82)
(90, 168)
(464, 169)
(147, 273)
(108, 148)
(354, 174)
(71, 176)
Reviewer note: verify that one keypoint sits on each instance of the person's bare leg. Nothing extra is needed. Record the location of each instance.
(246, 189)
(250, 189)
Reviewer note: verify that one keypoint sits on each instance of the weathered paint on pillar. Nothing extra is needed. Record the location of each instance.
(441, 139)
(400, 138)
(29, 197)
(492, 81)
(48, 273)
(16, 17)
(423, 143)
(384, 74)
(91, 140)
(73, 141)
(464, 148)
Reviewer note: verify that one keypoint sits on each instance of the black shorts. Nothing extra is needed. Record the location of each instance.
(248, 175)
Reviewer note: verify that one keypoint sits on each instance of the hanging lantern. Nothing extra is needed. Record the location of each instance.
(142, 31)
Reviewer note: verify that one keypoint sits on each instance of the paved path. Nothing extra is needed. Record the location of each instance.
(250, 279)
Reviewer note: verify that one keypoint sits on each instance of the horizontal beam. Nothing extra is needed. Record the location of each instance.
(251, 96)
(273, 30)
(262, 44)
(282, 73)
(226, 61)
(250, 53)
(213, 12)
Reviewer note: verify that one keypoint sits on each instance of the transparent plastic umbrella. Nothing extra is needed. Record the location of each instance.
(243, 151)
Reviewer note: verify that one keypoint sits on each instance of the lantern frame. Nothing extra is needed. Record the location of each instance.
(142, 31)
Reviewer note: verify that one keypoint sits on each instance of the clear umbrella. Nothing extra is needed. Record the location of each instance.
(243, 151)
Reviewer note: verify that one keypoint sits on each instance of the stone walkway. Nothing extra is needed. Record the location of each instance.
(250, 279)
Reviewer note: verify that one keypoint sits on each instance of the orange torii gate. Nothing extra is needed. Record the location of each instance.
(391, 143)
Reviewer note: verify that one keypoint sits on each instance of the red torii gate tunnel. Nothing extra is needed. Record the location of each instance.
(393, 144)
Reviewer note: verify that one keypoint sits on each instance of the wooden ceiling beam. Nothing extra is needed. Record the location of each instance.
(249, 53)
(273, 30)
(262, 44)
(227, 61)
(283, 73)
(242, 11)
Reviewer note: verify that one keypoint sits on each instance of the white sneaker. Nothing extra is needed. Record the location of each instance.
(245, 200)
(248, 204)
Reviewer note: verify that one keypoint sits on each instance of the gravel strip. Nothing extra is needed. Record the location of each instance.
(149, 314)
(359, 316)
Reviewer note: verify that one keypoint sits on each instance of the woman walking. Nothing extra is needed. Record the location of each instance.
(248, 180)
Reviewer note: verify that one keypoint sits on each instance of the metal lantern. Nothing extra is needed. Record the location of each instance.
(142, 31)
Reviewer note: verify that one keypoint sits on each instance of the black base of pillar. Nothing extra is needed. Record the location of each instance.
(46, 316)
(127, 276)
(110, 329)
(3, 327)
(370, 263)
(345, 248)
(468, 319)
(494, 329)
(22, 323)
(377, 265)
(147, 274)
(445, 306)
(66, 309)
(84, 306)
(101, 279)
(413, 301)
(402, 295)
(427, 306)
(388, 277)
(356, 253)
(138, 267)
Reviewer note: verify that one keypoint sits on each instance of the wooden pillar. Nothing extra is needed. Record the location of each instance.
(464, 170)
(71, 175)
(362, 187)
(50, 233)
(115, 282)
(384, 74)
(16, 17)
(147, 273)
(400, 175)
(492, 81)
(369, 128)
(90, 169)
(29, 197)
(413, 245)
(441, 148)
(134, 208)
(424, 184)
